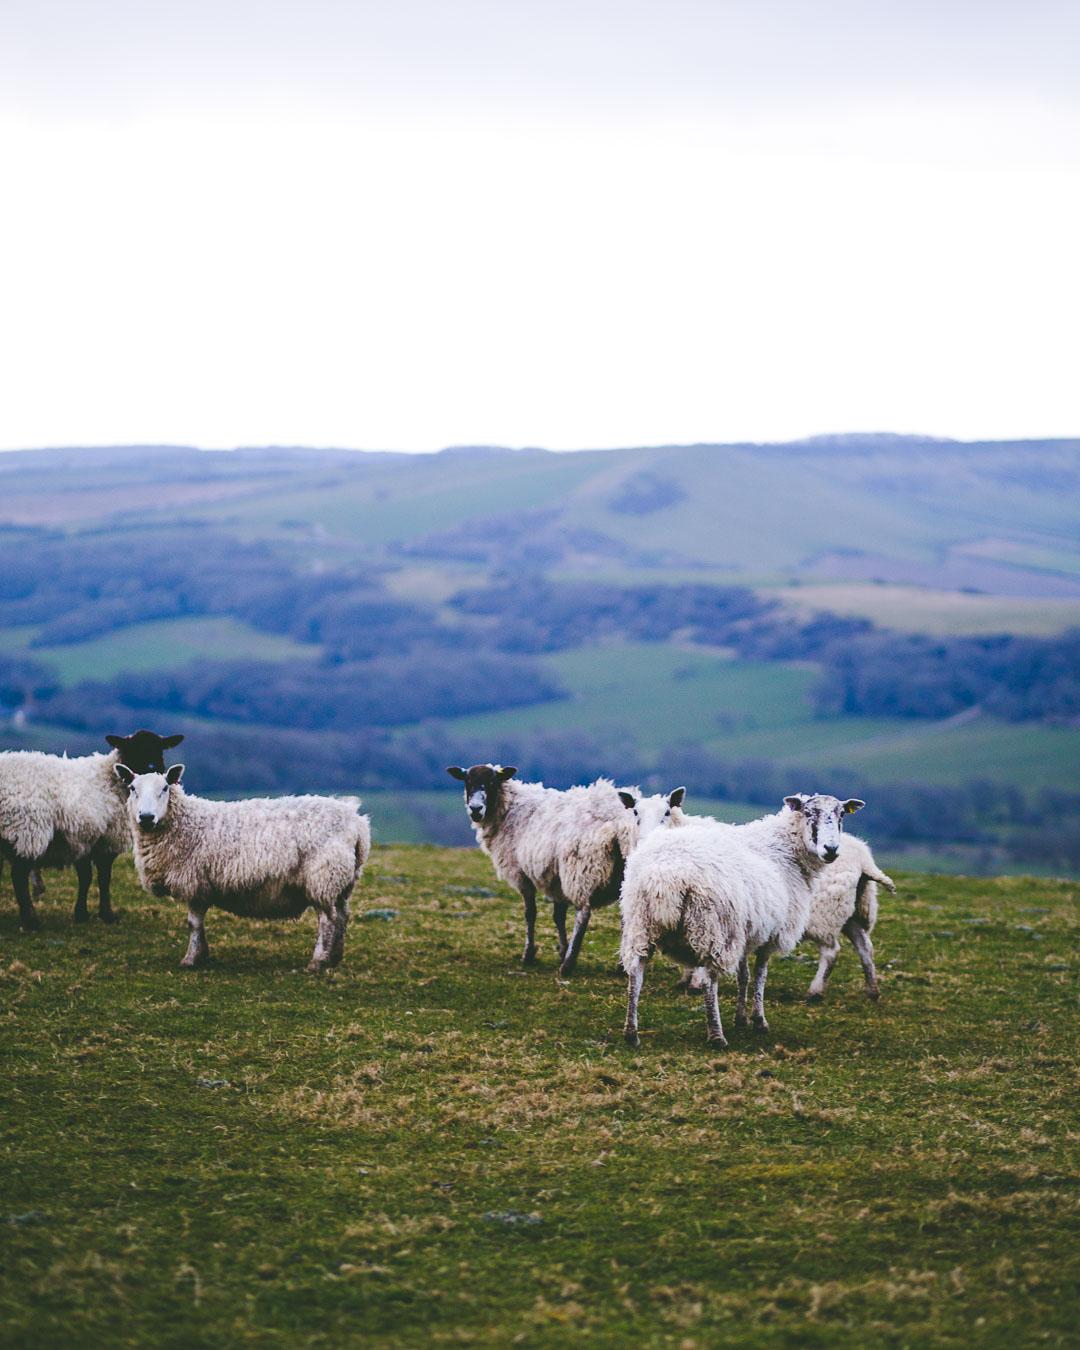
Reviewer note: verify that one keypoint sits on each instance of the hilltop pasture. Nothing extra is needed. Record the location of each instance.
(431, 1146)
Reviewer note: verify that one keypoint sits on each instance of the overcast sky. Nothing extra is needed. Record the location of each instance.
(537, 222)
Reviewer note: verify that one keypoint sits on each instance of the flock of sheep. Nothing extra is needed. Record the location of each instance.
(706, 894)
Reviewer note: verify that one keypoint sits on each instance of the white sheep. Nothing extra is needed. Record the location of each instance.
(569, 845)
(709, 894)
(844, 900)
(263, 858)
(61, 812)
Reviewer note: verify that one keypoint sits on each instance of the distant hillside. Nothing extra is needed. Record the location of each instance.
(890, 614)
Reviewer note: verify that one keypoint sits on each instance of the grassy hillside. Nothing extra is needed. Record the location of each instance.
(659, 695)
(430, 1146)
(163, 643)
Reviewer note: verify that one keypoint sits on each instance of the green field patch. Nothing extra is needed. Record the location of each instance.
(1028, 754)
(431, 1146)
(163, 644)
(913, 609)
(658, 694)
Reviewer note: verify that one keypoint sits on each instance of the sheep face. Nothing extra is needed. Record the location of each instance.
(483, 787)
(143, 751)
(148, 795)
(651, 813)
(822, 821)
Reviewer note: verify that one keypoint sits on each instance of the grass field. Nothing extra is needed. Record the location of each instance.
(658, 695)
(914, 609)
(432, 1147)
(159, 644)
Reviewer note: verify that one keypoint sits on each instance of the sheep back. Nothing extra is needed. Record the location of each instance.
(54, 810)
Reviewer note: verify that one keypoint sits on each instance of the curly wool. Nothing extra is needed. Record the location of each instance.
(263, 857)
(837, 897)
(707, 893)
(55, 811)
(561, 841)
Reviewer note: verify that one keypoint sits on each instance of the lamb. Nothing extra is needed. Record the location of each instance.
(844, 900)
(569, 845)
(709, 894)
(56, 812)
(264, 858)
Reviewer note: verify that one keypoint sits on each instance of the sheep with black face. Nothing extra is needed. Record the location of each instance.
(60, 812)
(569, 845)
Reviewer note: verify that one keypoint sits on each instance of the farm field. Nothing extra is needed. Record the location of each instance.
(915, 609)
(660, 695)
(161, 644)
(432, 1147)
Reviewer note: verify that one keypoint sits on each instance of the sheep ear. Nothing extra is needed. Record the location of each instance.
(504, 774)
(124, 774)
(455, 772)
(117, 742)
(174, 773)
(852, 805)
(676, 798)
(796, 803)
(628, 800)
(168, 742)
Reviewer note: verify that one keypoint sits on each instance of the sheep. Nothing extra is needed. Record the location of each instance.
(709, 894)
(569, 845)
(56, 812)
(844, 900)
(263, 858)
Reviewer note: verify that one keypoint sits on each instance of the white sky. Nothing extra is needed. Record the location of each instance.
(600, 222)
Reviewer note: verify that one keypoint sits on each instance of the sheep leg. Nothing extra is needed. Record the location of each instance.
(37, 884)
(198, 952)
(84, 870)
(710, 997)
(741, 1019)
(761, 972)
(635, 978)
(106, 913)
(860, 940)
(528, 894)
(828, 954)
(341, 922)
(558, 913)
(324, 944)
(581, 924)
(20, 881)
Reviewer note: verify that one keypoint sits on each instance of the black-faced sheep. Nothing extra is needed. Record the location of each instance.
(60, 812)
(569, 845)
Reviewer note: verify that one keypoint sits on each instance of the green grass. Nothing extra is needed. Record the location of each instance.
(659, 694)
(252, 1155)
(162, 644)
(914, 609)
(655, 695)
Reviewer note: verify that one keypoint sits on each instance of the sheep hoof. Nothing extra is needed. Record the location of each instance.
(631, 1038)
(760, 1024)
(873, 993)
(314, 967)
(30, 924)
(529, 957)
(108, 916)
(193, 962)
(566, 970)
(741, 1020)
(80, 916)
(815, 996)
